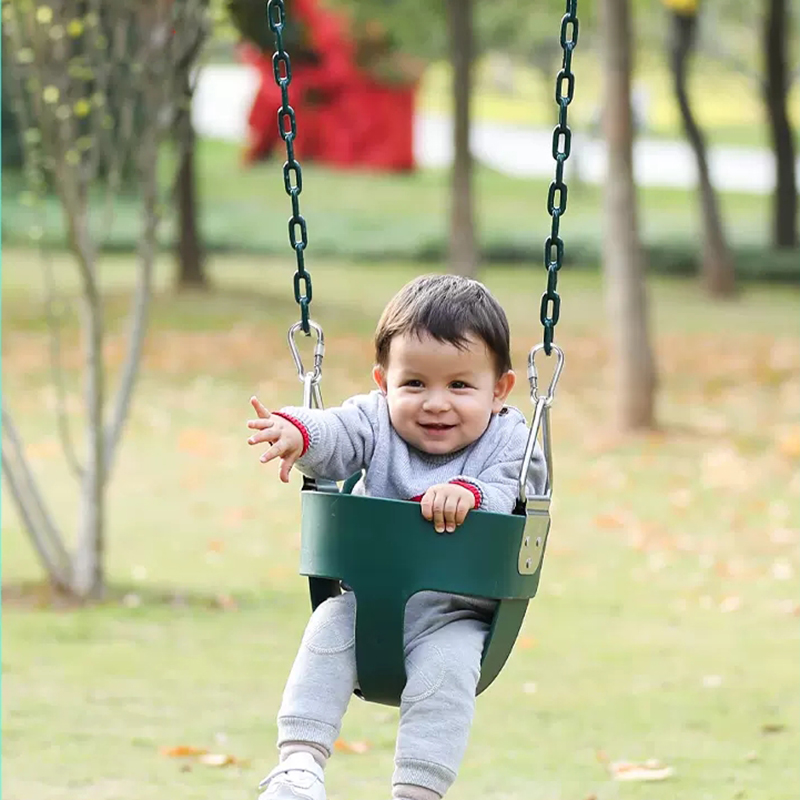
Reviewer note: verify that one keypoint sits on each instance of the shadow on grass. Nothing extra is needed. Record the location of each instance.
(44, 596)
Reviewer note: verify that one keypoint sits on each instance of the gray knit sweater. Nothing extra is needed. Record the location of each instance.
(358, 435)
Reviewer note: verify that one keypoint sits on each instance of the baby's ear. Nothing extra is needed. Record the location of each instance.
(379, 376)
(502, 389)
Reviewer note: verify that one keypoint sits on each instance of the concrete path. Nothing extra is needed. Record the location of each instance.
(225, 92)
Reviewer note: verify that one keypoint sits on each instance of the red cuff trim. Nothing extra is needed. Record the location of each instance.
(299, 425)
(417, 499)
(474, 489)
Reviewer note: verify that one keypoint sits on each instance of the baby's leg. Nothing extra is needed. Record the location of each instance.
(321, 682)
(437, 707)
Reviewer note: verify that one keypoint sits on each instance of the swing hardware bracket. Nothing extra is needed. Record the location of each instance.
(534, 537)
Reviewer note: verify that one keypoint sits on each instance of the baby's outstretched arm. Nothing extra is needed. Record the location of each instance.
(331, 443)
(285, 439)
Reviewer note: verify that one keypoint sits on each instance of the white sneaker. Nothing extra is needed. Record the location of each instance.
(299, 777)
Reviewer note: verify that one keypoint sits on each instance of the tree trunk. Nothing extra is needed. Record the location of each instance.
(634, 370)
(88, 579)
(776, 90)
(463, 255)
(189, 251)
(717, 266)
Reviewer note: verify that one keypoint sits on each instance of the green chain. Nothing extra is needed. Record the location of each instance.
(292, 174)
(562, 143)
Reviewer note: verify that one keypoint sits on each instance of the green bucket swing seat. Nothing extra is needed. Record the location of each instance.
(385, 551)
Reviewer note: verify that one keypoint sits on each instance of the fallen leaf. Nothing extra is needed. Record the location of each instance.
(220, 760)
(216, 545)
(526, 642)
(358, 748)
(529, 688)
(183, 751)
(650, 770)
(712, 681)
(608, 521)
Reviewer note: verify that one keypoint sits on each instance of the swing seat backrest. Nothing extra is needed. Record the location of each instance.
(385, 551)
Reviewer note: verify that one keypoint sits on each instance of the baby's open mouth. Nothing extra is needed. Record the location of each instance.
(436, 426)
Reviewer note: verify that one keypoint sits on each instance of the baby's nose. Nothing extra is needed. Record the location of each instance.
(437, 401)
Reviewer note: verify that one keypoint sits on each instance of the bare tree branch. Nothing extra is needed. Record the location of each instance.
(56, 366)
(28, 498)
(137, 327)
(57, 570)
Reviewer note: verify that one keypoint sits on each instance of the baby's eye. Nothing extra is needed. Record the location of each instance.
(413, 384)
(459, 385)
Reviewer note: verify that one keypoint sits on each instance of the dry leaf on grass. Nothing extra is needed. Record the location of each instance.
(650, 770)
(183, 751)
(202, 756)
(343, 746)
(220, 760)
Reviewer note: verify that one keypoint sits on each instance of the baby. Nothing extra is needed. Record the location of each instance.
(435, 431)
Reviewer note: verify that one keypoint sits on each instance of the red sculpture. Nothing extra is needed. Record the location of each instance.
(346, 116)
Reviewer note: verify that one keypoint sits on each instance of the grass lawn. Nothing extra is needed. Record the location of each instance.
(383, 218)
(667, 621)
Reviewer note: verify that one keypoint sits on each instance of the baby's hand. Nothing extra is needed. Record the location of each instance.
(285, 439)
(447, 505)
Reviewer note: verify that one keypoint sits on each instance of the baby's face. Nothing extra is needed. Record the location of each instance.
(440, 397)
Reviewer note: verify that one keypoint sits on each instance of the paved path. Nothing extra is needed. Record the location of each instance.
(224, 95)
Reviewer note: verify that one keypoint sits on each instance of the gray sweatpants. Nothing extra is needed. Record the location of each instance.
(444, 637)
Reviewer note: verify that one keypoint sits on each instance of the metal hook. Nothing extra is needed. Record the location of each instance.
(319, 351)
(533, 375)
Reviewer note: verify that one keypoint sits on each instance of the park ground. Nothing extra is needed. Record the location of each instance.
(667, 621)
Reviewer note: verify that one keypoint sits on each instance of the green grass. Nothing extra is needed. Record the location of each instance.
(666, 625)
(378, 218)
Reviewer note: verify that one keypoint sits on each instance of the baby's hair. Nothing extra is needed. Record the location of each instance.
(449, 308)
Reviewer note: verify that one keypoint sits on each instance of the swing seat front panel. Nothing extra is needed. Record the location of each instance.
(385, 551)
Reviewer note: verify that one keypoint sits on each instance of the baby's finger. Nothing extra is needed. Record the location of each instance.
(438, 512)
(286, 467)
(268, 435)
(276, 450)
(426, 504)
(462, 510)
(450, 508)
(259, 407)
(260, 424)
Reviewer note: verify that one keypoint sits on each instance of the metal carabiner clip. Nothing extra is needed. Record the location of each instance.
(533, 375)
(541, 421)
(312, 396)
